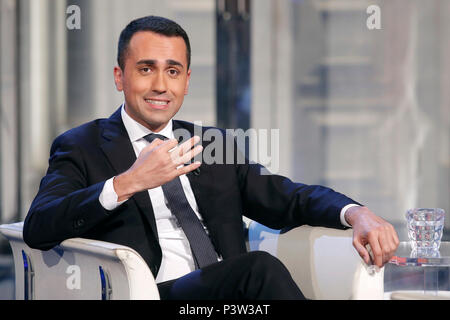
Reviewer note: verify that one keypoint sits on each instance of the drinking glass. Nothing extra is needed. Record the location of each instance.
(425, 226)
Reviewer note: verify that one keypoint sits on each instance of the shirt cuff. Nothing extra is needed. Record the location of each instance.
(108, 196)
(344, 210)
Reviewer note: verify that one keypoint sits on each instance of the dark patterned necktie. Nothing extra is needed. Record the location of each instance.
(200, 243)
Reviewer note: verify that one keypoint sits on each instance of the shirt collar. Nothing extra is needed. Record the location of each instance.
(137, 131)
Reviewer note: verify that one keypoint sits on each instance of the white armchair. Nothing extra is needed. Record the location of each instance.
(322, 261)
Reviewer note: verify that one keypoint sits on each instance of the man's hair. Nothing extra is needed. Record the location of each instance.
(154, 24)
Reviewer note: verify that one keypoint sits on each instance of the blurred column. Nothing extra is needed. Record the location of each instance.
(444, 113)
(9, 112)
(42, 73)
(198, 18)
(233, 63)
(271, 76)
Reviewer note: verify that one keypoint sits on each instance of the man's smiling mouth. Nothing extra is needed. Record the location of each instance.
(158, 104)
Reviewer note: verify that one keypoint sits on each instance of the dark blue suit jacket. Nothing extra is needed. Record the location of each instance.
(82, 159)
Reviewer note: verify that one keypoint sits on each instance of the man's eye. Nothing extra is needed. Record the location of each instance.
(145, 69)
(173, 72)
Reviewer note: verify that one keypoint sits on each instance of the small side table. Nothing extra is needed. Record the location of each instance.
(425, 275)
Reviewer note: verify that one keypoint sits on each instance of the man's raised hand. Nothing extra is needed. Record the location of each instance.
(157, 164)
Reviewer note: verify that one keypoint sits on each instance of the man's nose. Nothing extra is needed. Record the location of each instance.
(159, 83)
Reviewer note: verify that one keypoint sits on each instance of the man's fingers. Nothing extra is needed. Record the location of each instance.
(155, 143)
(362, 251)
(168, 145)
(388, 246)
(376, 249)
(395, 238)
(163, 145)
(379, 249)
(188, 168)
(184, 152)
(189, 155)
(187, 145)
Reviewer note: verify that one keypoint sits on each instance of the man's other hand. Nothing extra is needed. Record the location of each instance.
(370, 229)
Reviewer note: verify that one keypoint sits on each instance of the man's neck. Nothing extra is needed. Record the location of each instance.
(136, 130)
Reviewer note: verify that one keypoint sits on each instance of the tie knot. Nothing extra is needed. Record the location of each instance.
(152, 136)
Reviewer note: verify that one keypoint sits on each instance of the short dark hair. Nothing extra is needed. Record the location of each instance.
(155, 24)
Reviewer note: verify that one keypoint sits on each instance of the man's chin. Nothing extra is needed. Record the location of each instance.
(158, 125)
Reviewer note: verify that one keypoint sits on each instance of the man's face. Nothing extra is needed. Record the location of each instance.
(155, 78)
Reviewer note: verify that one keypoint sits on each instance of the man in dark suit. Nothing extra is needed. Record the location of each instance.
(130, 180)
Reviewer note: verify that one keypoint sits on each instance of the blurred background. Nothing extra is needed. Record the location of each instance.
(359, 90)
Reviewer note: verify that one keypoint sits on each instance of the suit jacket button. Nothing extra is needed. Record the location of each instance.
(80, 222)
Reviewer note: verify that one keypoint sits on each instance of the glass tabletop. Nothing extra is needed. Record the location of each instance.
(405, 256)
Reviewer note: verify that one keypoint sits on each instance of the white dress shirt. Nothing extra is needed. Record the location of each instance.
(177, 258)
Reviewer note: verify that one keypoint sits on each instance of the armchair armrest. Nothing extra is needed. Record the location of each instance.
(322, 261)
(79, 269)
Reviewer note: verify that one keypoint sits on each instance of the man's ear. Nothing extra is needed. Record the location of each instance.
(118, 76)
(187, 82)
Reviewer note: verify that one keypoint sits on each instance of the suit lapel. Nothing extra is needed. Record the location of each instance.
(120, 153)
(200, 179)
(183, 131)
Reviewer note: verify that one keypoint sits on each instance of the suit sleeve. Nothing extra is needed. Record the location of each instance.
(65, 205)
(278, 202)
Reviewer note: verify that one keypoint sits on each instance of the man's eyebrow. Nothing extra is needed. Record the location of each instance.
(152, 62)
(147, 62)
(174, 63)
